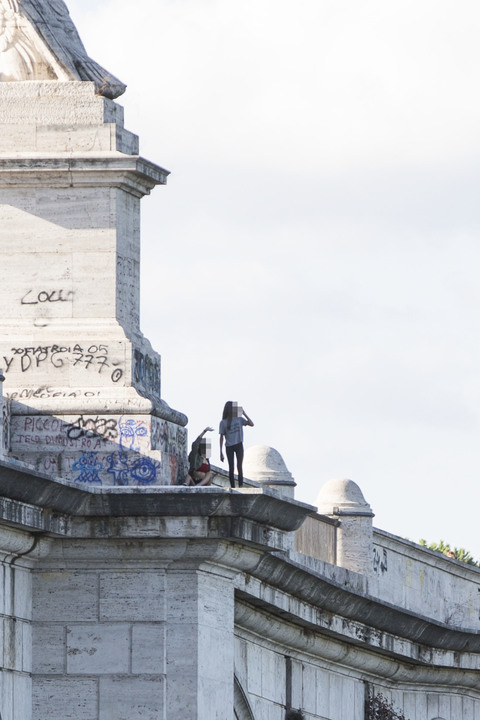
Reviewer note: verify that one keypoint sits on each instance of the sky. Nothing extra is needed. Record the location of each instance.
(315, 254)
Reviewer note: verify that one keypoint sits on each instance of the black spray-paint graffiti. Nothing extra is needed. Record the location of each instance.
(47, 296)
(146, 372)
(48, 392)
(5, 427)
(93, 427)
(380, 561)
(92, 357)
(159, 436)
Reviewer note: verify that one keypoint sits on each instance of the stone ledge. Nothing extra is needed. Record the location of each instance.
(109, 169)
(20, 482)
(375, 615)
(348, 654)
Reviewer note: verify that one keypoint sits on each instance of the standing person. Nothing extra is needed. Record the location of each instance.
(231, 428)
(199, 472)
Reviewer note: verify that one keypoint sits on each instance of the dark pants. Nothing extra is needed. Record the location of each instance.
(231, 451)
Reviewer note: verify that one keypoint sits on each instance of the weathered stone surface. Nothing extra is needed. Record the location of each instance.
(132, 698)
(70, 341)
(50, 699)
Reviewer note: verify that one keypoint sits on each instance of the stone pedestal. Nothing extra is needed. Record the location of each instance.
(71, 181)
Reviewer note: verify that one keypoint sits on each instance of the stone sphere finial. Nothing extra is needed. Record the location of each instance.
(265, 465)
(341, 496)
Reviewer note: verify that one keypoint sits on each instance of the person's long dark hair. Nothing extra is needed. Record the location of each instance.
(228, 413)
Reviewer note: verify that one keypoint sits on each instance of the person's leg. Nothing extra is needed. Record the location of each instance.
(206, 479)
(231, 463)
(239, 454)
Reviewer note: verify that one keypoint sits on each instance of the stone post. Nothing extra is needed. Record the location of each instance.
(343, 500)
(200, 643)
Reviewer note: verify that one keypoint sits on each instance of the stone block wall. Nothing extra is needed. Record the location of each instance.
(425, 582)
(99, 644)
(119, 633)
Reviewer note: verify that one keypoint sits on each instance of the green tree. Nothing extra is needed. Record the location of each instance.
(457, 553)
(377, 707)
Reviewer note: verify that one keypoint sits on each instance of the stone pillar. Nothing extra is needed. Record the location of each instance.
(4, 420)
(343, 500)
(127, 629)
(200, 644)
(71, 181)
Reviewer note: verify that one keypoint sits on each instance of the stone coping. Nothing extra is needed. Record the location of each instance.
(338, 597)
(20, 482)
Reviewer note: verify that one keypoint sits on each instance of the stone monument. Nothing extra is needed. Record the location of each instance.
(82, 381)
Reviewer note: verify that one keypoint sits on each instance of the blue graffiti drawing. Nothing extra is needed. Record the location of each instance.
(144, 470)
(118, 467)
(134, 470)
(130, 430)
(88, 466)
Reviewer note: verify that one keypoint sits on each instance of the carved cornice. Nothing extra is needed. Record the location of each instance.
(368, 662)
(128, 172)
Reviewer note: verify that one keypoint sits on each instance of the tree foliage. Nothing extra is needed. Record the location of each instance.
(457, 553)
(377, 707)
(294, 715)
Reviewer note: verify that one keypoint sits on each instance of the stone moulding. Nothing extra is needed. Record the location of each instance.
(128, 172)
(367, 662)
(21, 483)
(376, 615)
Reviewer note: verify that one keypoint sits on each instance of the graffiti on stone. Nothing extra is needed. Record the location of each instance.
(159, 434)
(380, 564)
(45, 391)
(173, 460)
(91, 427)
(5, 427)
(130, 431)
(47, 296)
(88, 466)
(142, 470)
(146, 372)
(181, 441)
(95, 358)
(101, 449)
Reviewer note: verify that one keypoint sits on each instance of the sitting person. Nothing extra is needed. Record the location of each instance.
(199, 472)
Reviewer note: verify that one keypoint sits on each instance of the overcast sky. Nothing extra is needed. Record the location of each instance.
(315, 254)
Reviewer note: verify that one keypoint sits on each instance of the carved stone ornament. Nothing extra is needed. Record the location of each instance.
(38, 41)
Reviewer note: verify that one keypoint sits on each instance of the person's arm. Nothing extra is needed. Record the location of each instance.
(221, 448)
(207, 429)
(249, 421)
